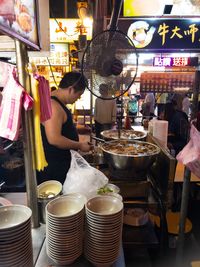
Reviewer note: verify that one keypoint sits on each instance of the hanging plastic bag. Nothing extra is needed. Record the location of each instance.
(83, 178)
(190, 154)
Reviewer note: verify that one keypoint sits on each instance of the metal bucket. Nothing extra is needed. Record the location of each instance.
(47, 191)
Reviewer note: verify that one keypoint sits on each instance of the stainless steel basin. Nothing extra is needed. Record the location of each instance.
(132, 164)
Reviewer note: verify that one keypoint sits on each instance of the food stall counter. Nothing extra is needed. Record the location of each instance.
(44, 261)
(179, 175)
(38, 238)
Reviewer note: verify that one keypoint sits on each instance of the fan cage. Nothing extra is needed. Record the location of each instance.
(95, 53)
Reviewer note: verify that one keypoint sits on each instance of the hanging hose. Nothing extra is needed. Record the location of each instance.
(115, 15)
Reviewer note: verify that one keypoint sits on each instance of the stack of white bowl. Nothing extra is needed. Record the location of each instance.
(104, 221)
(15, 236)
(64, 228)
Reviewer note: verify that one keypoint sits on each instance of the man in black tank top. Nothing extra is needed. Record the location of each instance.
(59, 134)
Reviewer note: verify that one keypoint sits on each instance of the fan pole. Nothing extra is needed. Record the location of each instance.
(115, 15)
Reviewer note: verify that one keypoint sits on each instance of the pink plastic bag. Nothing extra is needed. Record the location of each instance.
(14, 97)
(190, 154)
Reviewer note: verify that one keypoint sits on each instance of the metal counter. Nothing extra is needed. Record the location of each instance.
(44, 261)
(39, 245)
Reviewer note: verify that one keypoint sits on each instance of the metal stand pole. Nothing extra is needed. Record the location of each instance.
(91, 116)
(183, 216)
(186, 185)
(28, 137)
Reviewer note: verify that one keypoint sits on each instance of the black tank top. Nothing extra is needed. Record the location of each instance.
(58, 159)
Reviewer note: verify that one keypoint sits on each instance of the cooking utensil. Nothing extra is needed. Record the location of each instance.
(1, 184)
(132, 164)
(99, 139)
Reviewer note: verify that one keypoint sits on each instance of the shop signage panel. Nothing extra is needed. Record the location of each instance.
(142, 8)
(165, 82)
(59, 56)
(162, 34)
(175, 61)
(68, 30)
(18, 19)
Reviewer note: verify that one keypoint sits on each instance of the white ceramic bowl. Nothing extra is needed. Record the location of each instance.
(5, 202)
(113, 187)
(104, 205)
(65, 206)
(11, 216)
(79, 196)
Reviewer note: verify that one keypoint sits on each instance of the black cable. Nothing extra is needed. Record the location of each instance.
(53, 17)
(52, 72)
(6, 60)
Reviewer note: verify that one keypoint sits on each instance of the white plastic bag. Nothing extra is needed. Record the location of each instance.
(190, 154)
(83, 178)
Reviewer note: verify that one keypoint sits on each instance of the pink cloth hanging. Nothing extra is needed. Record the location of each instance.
(5, 69)
(14, 98)
(45, 98)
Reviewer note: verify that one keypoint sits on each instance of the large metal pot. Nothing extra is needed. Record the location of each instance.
(133, 165)
(124, 134)
(13, 172)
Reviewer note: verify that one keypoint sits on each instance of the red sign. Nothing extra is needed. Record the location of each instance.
(175, 61)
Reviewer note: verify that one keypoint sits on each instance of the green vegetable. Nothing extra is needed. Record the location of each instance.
(104, 190)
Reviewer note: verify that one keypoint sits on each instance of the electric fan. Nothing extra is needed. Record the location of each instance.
(105, 61)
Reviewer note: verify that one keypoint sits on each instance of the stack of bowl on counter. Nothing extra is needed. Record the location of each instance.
(104, 221)
(15, 236)
(64, 228)
(76, 225)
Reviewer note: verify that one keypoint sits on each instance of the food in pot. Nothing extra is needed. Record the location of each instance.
(46, 195)
(12, 164)
(133, 149)
(124, 134)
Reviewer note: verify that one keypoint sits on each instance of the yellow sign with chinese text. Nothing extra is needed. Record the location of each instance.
(68, 30)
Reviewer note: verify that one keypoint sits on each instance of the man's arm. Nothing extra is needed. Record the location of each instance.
(53, 128)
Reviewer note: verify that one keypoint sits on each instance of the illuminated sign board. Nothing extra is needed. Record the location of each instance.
(68, 30)
(59, 56)
(162, 34)
(18, 19)
(165, 82)
(133, 8)
(175, 61)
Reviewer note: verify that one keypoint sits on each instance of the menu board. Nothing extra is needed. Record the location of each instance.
(59, 56)
(164, 82)
(18, 20)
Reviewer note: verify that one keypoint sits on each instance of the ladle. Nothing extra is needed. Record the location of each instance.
(100, 140)
(1, 184)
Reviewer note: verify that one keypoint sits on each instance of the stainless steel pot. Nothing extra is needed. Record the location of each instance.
(124, 134)
(132, 164)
